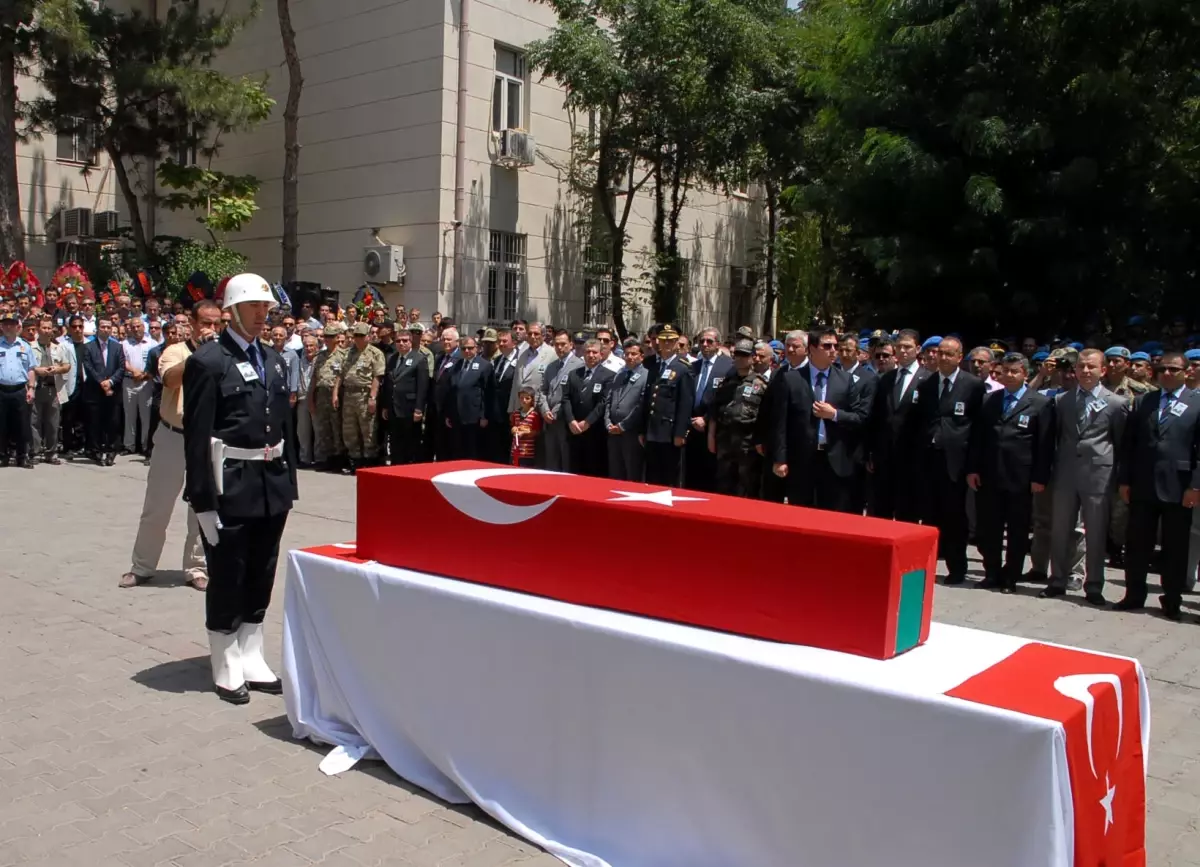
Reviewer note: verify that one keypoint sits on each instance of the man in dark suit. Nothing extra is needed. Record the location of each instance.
(504, 365)
(623, 417)
(472, 390)
(583, 410)
(1009, 458)
(894, 436)
(795, 356)
(948, 403)
(439, 435)
(1159, 477)
(866, 380)
(670, 396)
(816, 413)
(699, 464)
(405, 394)
(103, 372)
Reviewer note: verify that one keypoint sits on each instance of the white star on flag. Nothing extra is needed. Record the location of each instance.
(1106, 803)
(663, 498)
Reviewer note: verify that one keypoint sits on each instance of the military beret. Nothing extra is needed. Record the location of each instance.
(743, 347)
(1140, 356)
(1192, 355)
(332, 330)
(864, 344)
(489, 335)
(1117, 352)
(930, 343)
(1076, 345)
(1152, 348)
(416, 327)
(776, 345)
(362, 329)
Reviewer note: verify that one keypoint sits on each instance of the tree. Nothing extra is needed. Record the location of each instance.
(145, 89)
(291, 145)
(226, 202)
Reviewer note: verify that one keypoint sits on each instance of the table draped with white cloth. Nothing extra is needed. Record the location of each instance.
(611, 739)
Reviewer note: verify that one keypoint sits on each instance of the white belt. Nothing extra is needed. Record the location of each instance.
(219, 453)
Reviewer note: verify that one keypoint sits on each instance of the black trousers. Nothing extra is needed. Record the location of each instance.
(1145, 518)
(73, 424)
(699, 464)
(155, 417)
(470, 443)
(812, 482)
(946, 509)
(241, 571)
(663, 464)
(104, 422)
(997, 512)
(15, 430)
(589, 453)
(404, 441)
(894, 491)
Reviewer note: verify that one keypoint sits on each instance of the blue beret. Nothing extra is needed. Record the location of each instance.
(1077, 346)
(1117, 352)
(866, 332)
(1044, 348)
(930, 343)
(1040, 356)
(777, 345)
(864, 344)
(1140, 356)
(1192, 355)
(1137, 320)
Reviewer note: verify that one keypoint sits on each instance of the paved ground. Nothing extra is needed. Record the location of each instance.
(113, 752)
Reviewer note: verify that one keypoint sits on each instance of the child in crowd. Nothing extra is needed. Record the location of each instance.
(526, 425)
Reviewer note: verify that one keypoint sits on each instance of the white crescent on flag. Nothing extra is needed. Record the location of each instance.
(1078, 687)
(460, 488)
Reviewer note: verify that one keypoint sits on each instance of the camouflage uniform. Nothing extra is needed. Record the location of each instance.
(1118, 520)
(735, 407)
(360, 370)
(327, 425)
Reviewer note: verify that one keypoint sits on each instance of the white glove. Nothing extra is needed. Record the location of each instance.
(209, 525)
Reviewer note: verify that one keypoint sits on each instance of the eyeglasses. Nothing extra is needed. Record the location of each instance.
(707, 340)
(828, 345)
(606, 340)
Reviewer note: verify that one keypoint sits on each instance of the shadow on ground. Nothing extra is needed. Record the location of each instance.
(178, 676)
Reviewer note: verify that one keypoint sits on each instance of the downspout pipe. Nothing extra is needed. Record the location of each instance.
(460, 161)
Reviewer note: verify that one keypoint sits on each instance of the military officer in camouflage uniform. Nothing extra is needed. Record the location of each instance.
(358, 387)
(731, 420)
(417, 330)
(1118, 381)
(327, 422)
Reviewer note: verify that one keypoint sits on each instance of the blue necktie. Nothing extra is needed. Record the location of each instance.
(1167, 400)
(705, 367)
(1010, 400)
(255, 361)
(821, 397)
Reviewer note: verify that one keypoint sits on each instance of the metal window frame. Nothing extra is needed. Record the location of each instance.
(507, 256)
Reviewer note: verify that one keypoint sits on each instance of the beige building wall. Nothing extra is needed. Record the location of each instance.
(378, 133)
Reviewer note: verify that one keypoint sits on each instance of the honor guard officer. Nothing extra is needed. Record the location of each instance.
(670, 395)
(733, 416)
(240, 479)
(17, 383)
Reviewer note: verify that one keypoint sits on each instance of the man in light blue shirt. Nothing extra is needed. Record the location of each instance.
(17, 382)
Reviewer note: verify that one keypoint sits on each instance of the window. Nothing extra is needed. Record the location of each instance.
(743, 283)
(597, 286)
(188, 151)
(77, 143)
(740, 189)
(506, 273)
(508, 105)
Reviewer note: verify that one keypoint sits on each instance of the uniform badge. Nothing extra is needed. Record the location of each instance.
(1097, 406)
(278, 369)
(671, 374)
(562, 380)
(1178, 409)
(247, 371)
(666, 374)
(717, 380)
(635, 377)
(596, 386)
(408, 362)
(915, 395)
(960, 408)
(747, 390)
(1022, 421)
(474, 365)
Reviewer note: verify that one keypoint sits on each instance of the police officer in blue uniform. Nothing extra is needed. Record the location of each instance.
(240, 479)
(17, 382)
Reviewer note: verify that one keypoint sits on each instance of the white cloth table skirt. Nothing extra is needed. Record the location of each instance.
(610, 739)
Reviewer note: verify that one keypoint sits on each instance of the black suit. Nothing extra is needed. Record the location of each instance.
(584, 400)
(699, 464)
(820, 474)
(439, 436)
(222, 401)
(405, 392)
(773, 488)
(472, 385)
(1009, 452)
(499, 431)
(893, 441)
(866, 380)
(1159, 462)
(668, 401)
(103, 410)
(945, 427)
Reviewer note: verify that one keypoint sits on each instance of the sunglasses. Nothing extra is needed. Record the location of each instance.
(1170, 368)
(883, 355)
(707, 340)
(828, 345)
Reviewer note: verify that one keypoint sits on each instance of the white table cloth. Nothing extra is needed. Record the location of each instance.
(617, 741)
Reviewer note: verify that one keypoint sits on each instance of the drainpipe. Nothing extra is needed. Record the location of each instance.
(460, 160)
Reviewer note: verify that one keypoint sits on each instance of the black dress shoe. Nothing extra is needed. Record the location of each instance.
(270, 687)
(1008, 588)
(1171, 612)
(241, 695)
(1094, 597)
(1052, 592)
(991, 583)
(1127, 604)
(110, 460)
(954, 579)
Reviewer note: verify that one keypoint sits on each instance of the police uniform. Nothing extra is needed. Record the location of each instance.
(16, 391)
(670, 395)
(360, 375)
(733, 414)
(327, 426)
(240, 479)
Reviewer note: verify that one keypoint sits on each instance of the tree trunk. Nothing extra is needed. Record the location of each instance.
(291, 147)
(12, 233)
(772, 235)
(137, 227)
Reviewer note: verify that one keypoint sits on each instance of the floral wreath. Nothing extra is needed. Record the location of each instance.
(21, 279)
(71, 279)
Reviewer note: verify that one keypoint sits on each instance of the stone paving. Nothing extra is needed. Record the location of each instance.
(114, 752)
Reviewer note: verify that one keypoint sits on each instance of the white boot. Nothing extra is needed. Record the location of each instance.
(258, 674)
(227, 667)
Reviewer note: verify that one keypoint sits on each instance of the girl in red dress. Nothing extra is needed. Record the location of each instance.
(526, 425)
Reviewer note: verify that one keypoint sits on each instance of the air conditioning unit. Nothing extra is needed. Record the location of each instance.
(383, 263)
(106, 224)
(517, 148)
(77, 223)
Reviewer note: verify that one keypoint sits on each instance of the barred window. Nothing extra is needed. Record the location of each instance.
(506, 275)
(597, 287)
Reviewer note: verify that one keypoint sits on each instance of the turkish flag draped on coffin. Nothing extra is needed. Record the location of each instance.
(840, 582)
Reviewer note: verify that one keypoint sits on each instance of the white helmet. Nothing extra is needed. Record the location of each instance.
(247, 287)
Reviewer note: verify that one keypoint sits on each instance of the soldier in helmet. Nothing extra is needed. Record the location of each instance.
(357, 388)
(240, 479)
(732, 417)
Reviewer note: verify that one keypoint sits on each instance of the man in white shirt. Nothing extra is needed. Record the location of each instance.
(138, 386)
